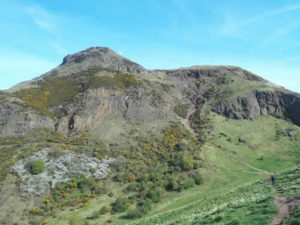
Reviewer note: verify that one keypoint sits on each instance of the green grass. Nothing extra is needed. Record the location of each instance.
(233, 166)
(252, 204)
(236, 189)
(288, 183)
(294, 219)
(233, 86)
(263, 148)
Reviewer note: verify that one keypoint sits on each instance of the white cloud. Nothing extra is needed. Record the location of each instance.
(42, 18)
(232, 26)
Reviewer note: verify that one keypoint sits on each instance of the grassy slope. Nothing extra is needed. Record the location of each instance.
(234, 167)
(227, 171)
(236, 184)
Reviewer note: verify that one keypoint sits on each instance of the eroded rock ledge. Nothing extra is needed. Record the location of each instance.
(261, 103)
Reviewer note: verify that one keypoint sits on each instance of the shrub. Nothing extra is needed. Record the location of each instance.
(145, 206)
(197, 164)
(132, 187)
(181, 110)
(133, 213)
(155, 195)
(260, 158)
(172, 186)
(87, 184)
(188, 184)
(104, 210)
(101, 190)
(119, 205)
(218, 219)
(186, 161)
(182, 147)
(37, 167)
(75, 194)
(142, 209)
(198, 179)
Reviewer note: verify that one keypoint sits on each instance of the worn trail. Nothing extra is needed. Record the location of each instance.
(286, 206)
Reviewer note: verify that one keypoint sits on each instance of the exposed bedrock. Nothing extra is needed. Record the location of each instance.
(261, 103)
(17, 120)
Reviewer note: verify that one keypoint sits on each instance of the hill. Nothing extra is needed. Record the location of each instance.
(100, 139)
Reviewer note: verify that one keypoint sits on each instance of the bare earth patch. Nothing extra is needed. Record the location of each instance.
(286, 206)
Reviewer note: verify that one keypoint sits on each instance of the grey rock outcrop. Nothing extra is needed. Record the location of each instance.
(211, 72)
(59, 167)
(17, 120)
(252, 105)
(102, 57)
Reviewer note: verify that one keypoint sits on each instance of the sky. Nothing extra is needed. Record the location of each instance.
(261, 36)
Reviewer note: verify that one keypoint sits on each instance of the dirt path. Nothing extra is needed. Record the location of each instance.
(286, 206)
(186, 122)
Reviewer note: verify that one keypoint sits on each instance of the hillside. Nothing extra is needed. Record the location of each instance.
(102, 140)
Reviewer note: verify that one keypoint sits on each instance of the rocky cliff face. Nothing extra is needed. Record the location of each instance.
(17, 120)
(254, 104)
(97, 84)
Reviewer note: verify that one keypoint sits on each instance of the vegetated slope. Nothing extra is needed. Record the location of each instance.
(237, 189)
(181, 141)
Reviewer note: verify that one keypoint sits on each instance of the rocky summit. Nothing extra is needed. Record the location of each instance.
(102, 57)
(100, 139)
